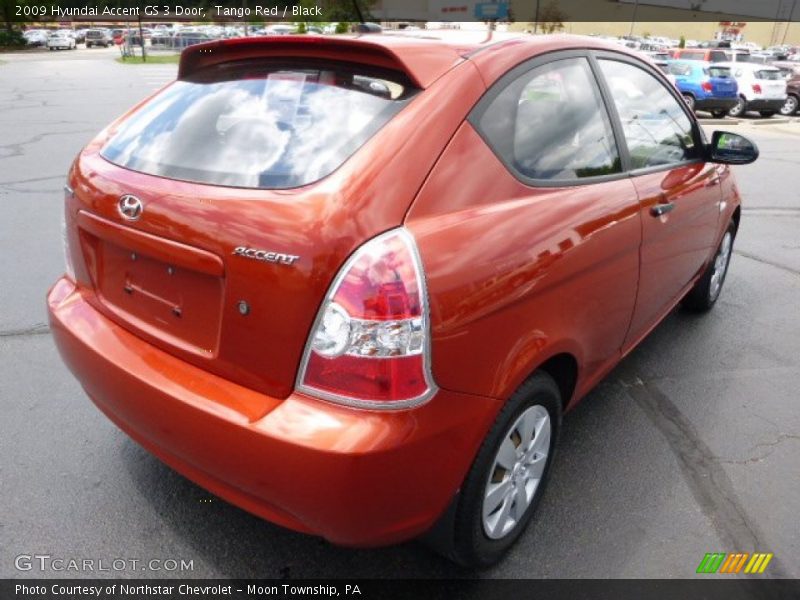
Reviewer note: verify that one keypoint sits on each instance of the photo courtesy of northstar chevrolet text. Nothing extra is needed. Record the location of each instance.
(368, 291)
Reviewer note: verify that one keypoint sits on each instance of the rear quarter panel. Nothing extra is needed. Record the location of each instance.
(518, 274)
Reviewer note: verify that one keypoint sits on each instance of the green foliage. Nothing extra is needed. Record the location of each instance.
(11, 38)
(682, 43)
(343, 10)
(552, 17)
(301, 27)
(342, 27)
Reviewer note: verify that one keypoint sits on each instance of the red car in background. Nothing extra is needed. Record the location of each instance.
(351, 285)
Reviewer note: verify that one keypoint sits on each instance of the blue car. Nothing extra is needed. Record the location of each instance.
(705, 86)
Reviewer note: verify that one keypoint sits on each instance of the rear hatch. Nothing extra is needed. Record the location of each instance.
(220, 256)
(212, 219)
(772, 82)
(723, 84)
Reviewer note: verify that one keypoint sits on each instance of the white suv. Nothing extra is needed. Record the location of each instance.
(762, 88)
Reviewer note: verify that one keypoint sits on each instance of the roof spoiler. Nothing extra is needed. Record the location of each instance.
(421, 65)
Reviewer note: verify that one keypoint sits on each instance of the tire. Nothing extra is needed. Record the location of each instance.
(689, 99)
(478, 538)
(767, 113)
(790, 107)
(739, 109)
(706, 292)
(719, 114)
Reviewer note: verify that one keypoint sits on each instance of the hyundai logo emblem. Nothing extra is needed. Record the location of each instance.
(130, 207)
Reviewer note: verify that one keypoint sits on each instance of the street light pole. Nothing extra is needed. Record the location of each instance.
(633, 20)
(788, 23)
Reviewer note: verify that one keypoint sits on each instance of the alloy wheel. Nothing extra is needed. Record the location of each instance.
(720, 266)
(516, 472)
(790, 107)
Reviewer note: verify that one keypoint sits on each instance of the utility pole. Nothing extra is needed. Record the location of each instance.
(633, 20)
(536, 18)
(788, 23)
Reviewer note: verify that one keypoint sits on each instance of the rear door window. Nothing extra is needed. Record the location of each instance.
(270, 125)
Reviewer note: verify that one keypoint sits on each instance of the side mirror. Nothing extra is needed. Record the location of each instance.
(731, 149)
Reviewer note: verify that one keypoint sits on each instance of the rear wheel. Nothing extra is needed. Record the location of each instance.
(689, 100)
(739, 109)
(706, 291)
(767, 113)
(508, 477)
(790, 106)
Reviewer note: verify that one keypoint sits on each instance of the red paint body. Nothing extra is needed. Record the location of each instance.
(516, 275)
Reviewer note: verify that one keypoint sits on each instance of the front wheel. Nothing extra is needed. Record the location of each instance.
(790, 106)
(706, 291)
(739, 109)
(508, 477)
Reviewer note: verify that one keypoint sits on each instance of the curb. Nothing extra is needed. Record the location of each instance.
(729, 121)
(771, 121)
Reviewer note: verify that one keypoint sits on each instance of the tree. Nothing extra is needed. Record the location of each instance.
(552, 17)
(348, 10)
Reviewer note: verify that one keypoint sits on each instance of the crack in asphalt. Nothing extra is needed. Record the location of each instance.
(767, 262)
(16, 149)
(37, 329)
(708, 482)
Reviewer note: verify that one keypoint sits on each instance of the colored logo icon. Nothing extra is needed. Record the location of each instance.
(734, 562)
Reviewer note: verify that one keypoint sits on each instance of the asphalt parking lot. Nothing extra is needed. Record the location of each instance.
(690, 446)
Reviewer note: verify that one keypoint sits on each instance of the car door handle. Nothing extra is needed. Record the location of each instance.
(662, 209)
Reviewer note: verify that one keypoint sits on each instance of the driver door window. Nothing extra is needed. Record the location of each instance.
(656, 128)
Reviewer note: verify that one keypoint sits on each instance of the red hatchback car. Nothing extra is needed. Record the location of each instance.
(352, 284)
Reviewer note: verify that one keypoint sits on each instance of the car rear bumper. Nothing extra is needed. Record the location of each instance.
(354, 477)
(762, 104)
(715, 103)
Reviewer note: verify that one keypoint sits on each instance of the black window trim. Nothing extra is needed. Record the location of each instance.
(592, 56)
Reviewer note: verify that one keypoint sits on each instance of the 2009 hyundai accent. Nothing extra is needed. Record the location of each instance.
(352, 284)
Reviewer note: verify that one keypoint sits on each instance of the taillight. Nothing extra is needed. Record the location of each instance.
(68, 267)
(369, 346)
(706, 85)
(756, 88)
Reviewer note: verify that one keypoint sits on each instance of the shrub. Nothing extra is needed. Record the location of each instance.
(11, 38)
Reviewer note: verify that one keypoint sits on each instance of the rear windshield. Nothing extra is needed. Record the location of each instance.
(680, 68)
(263, 125)
(718, 71)
(772, 75)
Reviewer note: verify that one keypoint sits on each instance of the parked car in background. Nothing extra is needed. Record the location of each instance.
(762, 88)
(61, 40)
(369, 328)
(80, 36)
(185, 38)
(98, 37)
(664, 66)
(706, 86)
(35, 37)
(793, 96)
(703, 54)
